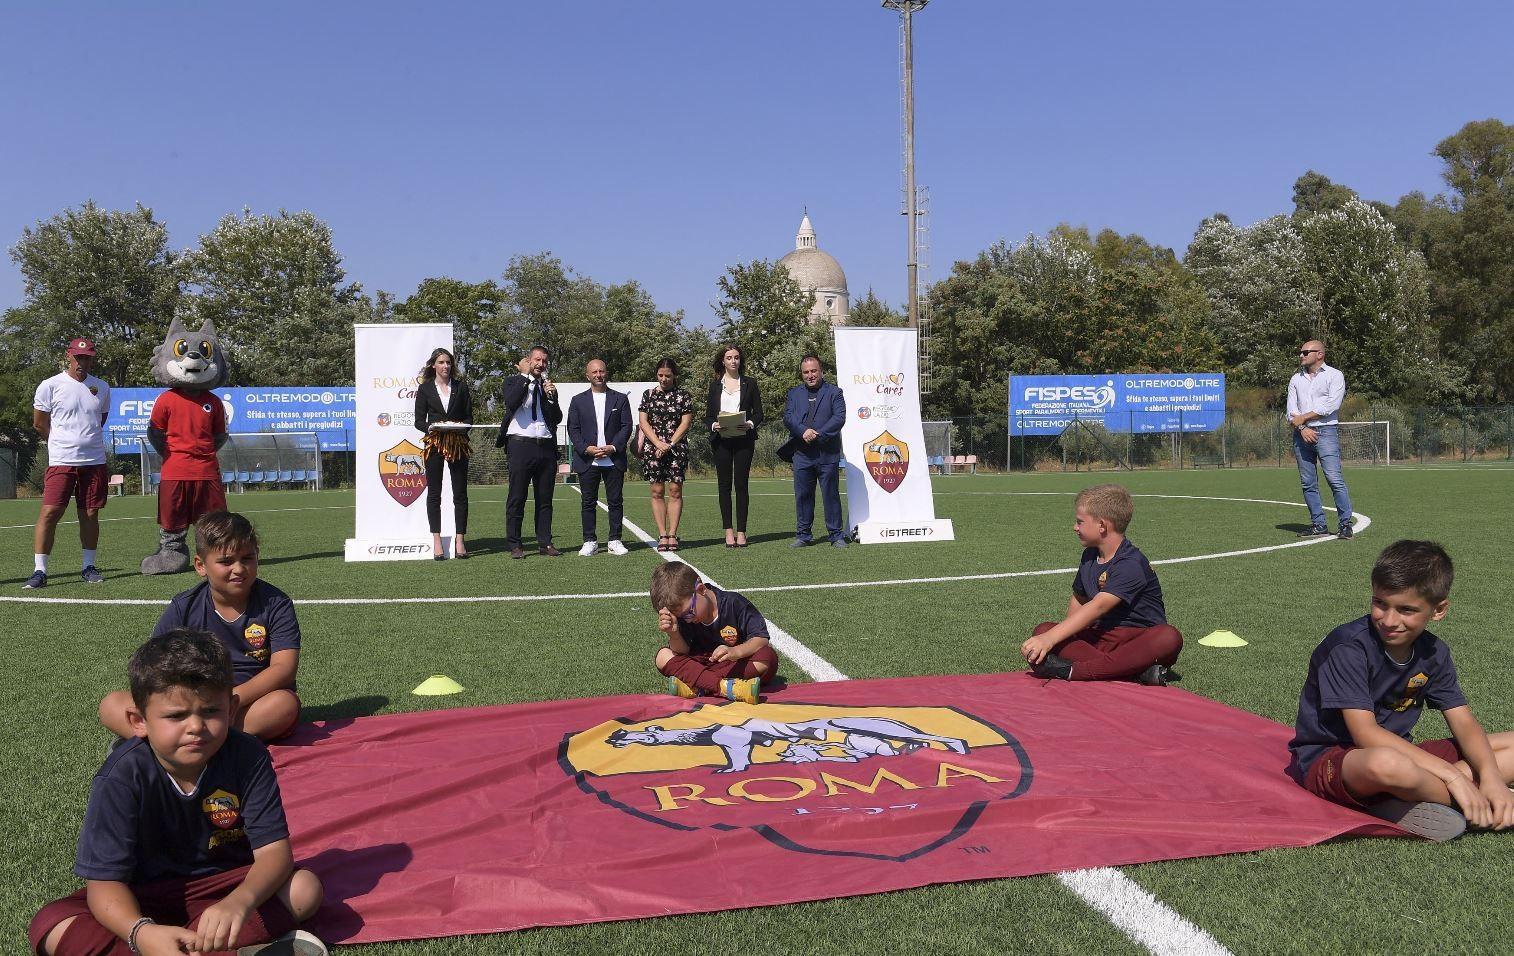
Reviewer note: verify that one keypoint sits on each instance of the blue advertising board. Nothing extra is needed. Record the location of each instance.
(1134, 402)
(330, 412)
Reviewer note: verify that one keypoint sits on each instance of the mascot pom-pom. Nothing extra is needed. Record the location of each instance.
(188, 425)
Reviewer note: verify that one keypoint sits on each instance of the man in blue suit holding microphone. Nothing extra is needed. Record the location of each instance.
(814, 414)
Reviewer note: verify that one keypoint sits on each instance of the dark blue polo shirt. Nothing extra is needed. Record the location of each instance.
(268, 625)
(139, 828)
(736, 620)
(1351, 670)
(1128, 576)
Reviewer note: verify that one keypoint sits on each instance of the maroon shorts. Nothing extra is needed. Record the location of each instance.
(1325, 778)
(171, 902)
(86, 484)
(182, 503)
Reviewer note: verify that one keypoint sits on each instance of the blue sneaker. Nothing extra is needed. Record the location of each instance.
(92, 575)
(37, 580)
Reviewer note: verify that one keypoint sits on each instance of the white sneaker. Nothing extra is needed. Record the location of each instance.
(616, 548)
(297, 943)
(589, 548)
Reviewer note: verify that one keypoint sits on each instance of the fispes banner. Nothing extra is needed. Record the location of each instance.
(1132, 402)
(329, 411)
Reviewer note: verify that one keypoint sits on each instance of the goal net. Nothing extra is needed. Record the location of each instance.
(1367, 442)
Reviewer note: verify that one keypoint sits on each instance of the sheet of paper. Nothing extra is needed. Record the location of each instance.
(732, 424)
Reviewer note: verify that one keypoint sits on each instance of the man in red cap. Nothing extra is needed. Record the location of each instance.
(69, 412)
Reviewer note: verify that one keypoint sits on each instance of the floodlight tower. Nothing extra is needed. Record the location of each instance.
(907, 9)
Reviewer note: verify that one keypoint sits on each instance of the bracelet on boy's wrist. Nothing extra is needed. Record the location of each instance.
(131, 937)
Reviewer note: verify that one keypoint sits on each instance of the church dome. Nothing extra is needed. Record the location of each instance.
(815, 270)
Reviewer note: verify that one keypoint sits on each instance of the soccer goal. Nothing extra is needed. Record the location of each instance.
(1367, 441)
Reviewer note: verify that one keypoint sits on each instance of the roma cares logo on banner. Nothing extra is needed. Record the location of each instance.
(886, 783)
(403, 471)
(887, 460)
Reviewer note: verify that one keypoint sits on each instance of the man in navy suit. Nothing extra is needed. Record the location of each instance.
(529, 437)
(814, 414)
(599, 425)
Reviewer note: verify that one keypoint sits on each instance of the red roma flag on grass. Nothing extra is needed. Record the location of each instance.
(501, 818)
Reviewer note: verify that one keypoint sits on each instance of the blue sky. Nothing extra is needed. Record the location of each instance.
(664, 141)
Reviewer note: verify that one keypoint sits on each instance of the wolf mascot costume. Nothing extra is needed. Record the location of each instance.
(188, 426)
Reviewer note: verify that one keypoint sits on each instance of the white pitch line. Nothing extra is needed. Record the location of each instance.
(807, 660)
(154, 517)
(1139, 915)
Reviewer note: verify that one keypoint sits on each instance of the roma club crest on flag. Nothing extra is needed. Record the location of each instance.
(403, 471)
(887, 460)
(809, 778)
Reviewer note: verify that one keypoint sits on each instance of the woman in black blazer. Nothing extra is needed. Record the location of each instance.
(443, 397)
(730, 392)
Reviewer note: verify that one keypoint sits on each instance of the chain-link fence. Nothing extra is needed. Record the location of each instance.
(1370, 434)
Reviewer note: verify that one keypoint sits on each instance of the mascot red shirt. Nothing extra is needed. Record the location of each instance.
(188, 425)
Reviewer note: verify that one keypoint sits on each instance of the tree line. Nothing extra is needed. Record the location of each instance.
(1415, 301)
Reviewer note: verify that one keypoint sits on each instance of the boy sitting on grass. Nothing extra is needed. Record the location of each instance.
(717, 641)
(184, 846)
(1116, 625)
(252, 618)
(1368, 682)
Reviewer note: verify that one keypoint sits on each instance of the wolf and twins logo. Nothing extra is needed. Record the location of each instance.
(887, 460)
(878, 782)
(402, 469)
(224, 810)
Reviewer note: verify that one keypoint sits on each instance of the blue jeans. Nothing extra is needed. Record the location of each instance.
(1326, 453)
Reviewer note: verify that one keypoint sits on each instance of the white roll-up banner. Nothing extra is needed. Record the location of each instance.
(390, 461)
(888, 490)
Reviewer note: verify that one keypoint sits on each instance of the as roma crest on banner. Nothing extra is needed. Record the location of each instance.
(884, 783)
(887, 460)
(403, 471)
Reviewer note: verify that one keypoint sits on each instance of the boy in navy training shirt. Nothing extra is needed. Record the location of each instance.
(717, 641)
(1116, 626)
(1368, 682)
(184, 846)
(252, 618)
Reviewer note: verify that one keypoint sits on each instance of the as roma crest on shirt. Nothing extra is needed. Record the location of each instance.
(887, 460)
(255, 634)
(729, 635)
(224, 809)
(884, 783)
(403, 471)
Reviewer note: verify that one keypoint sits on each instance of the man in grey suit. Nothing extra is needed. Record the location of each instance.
(599, 426)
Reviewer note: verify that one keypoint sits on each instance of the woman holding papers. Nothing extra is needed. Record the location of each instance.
(733, 411)
(443, 410)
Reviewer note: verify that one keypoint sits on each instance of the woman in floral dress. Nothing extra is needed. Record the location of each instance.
(666, 412)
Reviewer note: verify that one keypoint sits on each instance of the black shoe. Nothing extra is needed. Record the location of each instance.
(1053, 668)
(438, 557)
(1153, 676)
(1345, 532)
(1315, 531)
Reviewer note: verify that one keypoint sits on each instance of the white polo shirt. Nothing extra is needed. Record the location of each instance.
(77, 411)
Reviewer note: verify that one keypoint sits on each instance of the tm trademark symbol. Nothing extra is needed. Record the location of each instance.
(974, 849)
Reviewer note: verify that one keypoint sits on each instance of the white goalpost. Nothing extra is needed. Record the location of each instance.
(1371, 440)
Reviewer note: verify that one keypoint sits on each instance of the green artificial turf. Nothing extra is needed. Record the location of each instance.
(1357, 895)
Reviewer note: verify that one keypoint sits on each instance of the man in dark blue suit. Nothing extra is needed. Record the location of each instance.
(529, 437)
(814, 414)
(599, 426)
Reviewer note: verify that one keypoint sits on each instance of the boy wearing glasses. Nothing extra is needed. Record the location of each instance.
(1315, 394)
(717, 641)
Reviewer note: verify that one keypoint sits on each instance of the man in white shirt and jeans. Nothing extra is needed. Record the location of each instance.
(1315, 394)
(69, 412)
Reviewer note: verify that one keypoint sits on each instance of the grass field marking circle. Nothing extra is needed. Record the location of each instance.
(154, 517)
